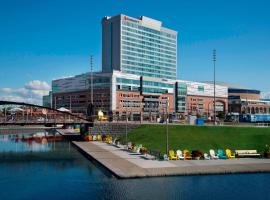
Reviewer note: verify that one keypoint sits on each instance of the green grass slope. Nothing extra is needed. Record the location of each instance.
(200, 137)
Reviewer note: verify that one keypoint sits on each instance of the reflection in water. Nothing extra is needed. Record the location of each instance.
(34, 168)
(38, 142)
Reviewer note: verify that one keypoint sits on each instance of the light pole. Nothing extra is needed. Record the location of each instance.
(167, 129)
(126, 122)
(92, 90)
(214, 104)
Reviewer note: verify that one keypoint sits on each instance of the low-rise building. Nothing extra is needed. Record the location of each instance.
(119, 94)
(247, 101)
(200, 98)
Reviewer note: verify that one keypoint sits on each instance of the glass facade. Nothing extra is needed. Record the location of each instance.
(127, 84)
(127, 81)
(100, 83)
(147, 52)
(154, 90)
(181, 97)
(157, 84)
(201, 88)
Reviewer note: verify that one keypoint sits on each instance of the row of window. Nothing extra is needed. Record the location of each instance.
(147, 74)
(201, 88)
(148, 83)
(255, 103)
(149, 29)
(148, 61)
(142, 69)
(148, 66)
(181, 92)
(154, 90)
(157, 84)
(127, 33)
(129, 95)
(148, 34)
(143, 51)
(149, 57)
(256, 110)
(100, 80)
(148, 43)
(148, 90)
(145, 33)
(182, 98)
(127, 88)
(128, 81)
(149, 48)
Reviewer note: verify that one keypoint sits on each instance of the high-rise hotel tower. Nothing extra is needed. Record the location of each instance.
(139, 46)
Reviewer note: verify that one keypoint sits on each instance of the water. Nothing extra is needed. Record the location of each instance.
(39, 169)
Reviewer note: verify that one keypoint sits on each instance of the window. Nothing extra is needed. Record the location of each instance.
(201, 88)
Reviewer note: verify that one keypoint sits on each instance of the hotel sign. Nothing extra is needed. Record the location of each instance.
(131, 20)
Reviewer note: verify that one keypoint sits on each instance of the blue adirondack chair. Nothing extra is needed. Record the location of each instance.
(221, 155)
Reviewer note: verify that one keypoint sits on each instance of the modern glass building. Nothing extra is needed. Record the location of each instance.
(139, 46)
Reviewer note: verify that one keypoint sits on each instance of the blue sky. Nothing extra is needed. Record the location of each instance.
(43, 40)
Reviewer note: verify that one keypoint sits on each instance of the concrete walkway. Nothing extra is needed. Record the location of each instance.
(124, 164)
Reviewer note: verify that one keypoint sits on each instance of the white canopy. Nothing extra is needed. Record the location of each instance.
(17, 110)
(62, 109)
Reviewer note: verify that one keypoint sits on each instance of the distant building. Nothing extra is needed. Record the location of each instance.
(247, 101)
(200, 98)
(47, 100)
(74, 93)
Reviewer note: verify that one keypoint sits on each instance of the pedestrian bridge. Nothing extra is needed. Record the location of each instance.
(20, 113)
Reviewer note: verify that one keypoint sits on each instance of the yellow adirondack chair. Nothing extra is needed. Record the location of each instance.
(99, 137)
(229, 154)
(172, 155)
(187, 155)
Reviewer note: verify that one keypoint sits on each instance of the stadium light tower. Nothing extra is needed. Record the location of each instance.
(214, 104)
(91, 69)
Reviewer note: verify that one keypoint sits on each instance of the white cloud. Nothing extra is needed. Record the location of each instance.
(32, 92)
(37, 85)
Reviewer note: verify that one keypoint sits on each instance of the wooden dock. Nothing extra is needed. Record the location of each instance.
(124, 164)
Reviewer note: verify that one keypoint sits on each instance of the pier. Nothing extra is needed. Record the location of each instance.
(124, 164)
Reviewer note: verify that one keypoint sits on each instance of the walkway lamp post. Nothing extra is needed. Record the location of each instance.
(214, 104)
(167, 129)
(126, 123)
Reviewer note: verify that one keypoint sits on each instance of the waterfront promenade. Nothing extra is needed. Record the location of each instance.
(124, 164)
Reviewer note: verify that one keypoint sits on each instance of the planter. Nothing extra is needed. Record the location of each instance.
(267, 154)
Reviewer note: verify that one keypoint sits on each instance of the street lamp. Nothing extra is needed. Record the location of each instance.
(167, 129)
(126, 123)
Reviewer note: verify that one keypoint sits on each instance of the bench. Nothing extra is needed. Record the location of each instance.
(247, 154)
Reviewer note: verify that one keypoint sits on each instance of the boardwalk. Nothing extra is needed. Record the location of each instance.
(124, 164)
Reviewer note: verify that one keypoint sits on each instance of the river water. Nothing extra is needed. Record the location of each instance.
(38, 166)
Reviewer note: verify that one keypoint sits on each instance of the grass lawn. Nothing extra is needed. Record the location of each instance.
(200, 137)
